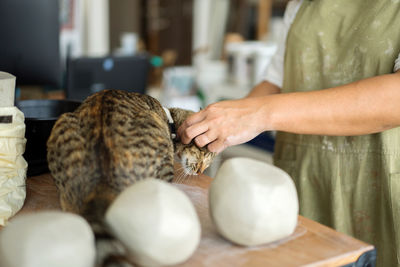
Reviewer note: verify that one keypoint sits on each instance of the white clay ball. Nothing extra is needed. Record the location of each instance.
(253, 203)
(156, 222)
(47, 239)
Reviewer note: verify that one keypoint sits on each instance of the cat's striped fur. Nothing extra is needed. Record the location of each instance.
(112, 140)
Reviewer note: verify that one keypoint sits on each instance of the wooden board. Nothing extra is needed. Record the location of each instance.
(311, 244)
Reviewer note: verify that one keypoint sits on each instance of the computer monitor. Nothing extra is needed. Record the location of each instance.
(29, 41)
(88, 75)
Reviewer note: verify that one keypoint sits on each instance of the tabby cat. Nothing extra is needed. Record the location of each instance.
(112, 140)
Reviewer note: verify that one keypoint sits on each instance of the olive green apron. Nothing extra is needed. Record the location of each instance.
(351, 183)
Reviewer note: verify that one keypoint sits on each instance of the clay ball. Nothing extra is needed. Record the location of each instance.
(156, 222)
(47, 239)
(253, 203)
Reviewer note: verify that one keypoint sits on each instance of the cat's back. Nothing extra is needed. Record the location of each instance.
(135, 135)
(111, 140)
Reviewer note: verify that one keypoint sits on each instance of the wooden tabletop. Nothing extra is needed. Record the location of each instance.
(312, 244)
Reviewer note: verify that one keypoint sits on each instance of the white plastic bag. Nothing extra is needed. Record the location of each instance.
(12, 164)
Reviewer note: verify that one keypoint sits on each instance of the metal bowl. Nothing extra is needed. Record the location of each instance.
(40, 116)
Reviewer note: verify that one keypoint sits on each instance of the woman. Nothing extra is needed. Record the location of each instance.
(337, 114)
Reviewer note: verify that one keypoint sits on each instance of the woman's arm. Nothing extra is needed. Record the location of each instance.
(263, 89)
(363, 107)
(367, 106)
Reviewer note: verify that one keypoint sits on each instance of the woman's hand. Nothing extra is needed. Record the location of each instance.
(224, 124)
(363, 107)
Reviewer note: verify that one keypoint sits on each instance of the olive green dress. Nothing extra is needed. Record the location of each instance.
(351, 183)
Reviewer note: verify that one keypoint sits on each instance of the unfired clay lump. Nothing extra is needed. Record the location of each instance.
(47, 239)
(252, 202)
(156, 222)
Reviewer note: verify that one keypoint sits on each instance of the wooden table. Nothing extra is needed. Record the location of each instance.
(312, 244)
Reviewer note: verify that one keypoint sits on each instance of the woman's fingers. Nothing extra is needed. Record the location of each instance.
(191, 128)
(205, 138)
(217, 146)
(193, 132)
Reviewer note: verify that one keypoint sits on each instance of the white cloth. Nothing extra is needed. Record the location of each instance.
(12, 164)
(169, 116)
(170, 122)
(397, 64)
(274, 71)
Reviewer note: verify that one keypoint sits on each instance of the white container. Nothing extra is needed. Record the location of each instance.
(179, 88)
(178, 81)
(211, 73)
(247, 61)
(244, 64)
(129, 41)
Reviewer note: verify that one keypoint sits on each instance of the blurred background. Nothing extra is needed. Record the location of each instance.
(186, 53)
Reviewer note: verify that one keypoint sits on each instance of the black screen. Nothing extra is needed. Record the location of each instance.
(29, 41)
(86, 76)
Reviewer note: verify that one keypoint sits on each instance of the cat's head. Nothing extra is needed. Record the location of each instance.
(193, 159)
